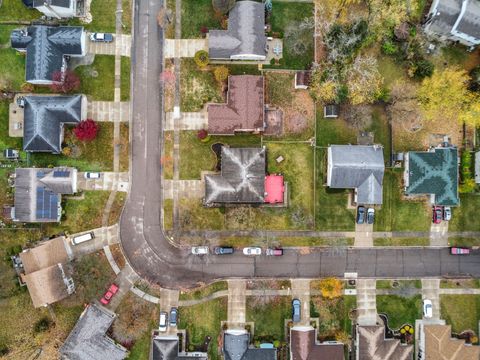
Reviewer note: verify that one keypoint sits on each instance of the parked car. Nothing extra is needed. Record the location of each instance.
(274, 252)
(173, 316)
(163, 321)
(360, 215)
(101, 37)
(427, 309)
(223, 250)
(92, 175)
(252, 250)
(370, 215)
(459, 251)
(112, 290)
(200, 250)
(296, 310)
(437, 215)
(82, 238)
(447, 213)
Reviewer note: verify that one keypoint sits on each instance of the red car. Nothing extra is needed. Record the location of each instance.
(112, 290)
(459, 251)
(437, 214)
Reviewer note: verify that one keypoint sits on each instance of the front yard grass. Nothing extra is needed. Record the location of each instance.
(98, 79)
(460, 284)
(269, 314)
(334, 316)
(124, 147)
(297, 40)
(460, 311)
(242, 69)
(204, 320)
(463, 241)
(195, 15)
(127, 16)
(168, 214)
(14, 10)
(12, 63)
(204, 291)
(400, 310)
(194, 216)
(125, 78)
(397, 214)
(388, 284)
(465, 217)
(395, 241)
(167, 160)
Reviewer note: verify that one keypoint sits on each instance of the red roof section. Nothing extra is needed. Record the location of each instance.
(274, 189)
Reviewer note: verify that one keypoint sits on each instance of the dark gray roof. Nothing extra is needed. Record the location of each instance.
(43, 119)
(245, 34)
(359, 167)
(59, 3)
(236, 347)
(470, 21)
(434, 172)
(166, 348)
(87, 340)
(242, 178)
(46, 47)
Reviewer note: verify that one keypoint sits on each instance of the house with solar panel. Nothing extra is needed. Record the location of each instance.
(48, 49)
(56, 8)
(433, 173)
(41, 119)
(38, 193)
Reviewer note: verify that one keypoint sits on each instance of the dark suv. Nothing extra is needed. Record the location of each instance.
(223, 250)
(296, 310)
(360, 215)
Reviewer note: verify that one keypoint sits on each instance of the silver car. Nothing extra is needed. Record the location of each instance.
(200, 250)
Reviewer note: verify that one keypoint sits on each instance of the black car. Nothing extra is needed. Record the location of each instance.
(360, 215)
(173, 316)
(223, 250)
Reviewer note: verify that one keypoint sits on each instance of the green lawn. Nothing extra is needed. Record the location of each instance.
(103, 16)
(381, 132)
(12, 63)
(460, 311)
(463, 241)
(124, 161)
(400, 310)
(98, 79)
(298, 47)
(240, 69)
(15, 10)
(204, 291)
(96, 155)
(388, 284)
(127, 16)
(168, 214)
(194, 216)
(397, 214)
(390, 70)
(167, 161)
(465, 217)
(204, 320)
(333, 131)
(460, 284)
(195, 15)
(125, 78)
(5, 140)
(401, 241)
(331, 204)
(269, 316)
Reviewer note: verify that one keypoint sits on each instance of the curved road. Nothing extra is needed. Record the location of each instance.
(152, 256)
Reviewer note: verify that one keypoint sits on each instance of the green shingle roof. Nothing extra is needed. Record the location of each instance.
(435, 173)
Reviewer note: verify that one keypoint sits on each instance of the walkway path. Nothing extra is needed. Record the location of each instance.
(192, 189)
(112, 111)
(124, 280)
(366, 302)
(110, 181)
(184, 48)
(439, 234)
(186, 121)
(431, 291)
(236, 303)
(301, 291)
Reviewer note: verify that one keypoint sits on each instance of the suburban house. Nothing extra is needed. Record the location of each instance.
(46, 273)
(304, 346)
(44, 118)
(358, 167)
(370, 343)
(435, 173)
(236, 346)
(243, 179)
(38, 193)
(55, 8)
(88, 339)
(168, 348)
(47, 49)
(436, 343)
(244, 110)
(454, 20)
(245, 37)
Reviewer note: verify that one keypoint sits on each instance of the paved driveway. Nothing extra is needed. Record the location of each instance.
(109, 111)
(108, 181)
(121, 41)
(184, 47)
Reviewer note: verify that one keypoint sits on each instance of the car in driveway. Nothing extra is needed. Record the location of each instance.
(454, 250)
(274, 252)
(173, 316)
(370, 215)
(112, 290)
(92, 175)
(252, 250)
(447, 213)
(427, 309)
(163, 324)
(200, 250)
(360, 215)
(437, 215)
(223, 250)
(296, 310)
(101, 37)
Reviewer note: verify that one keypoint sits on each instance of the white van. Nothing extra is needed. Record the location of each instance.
(82, 238)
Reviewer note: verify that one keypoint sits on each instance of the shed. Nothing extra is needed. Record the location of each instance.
(331, 111)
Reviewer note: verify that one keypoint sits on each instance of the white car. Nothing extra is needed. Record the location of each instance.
(92, 175)
(200, 250)
(253, 250)
(163, 324)
(427, 309)
(447, 213)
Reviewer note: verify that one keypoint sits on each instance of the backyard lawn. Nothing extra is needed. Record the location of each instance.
(12, 63)
(125, 78)
(400, 310)
(15, 10)
(204, 291)
(269, 314)
(195, 15)
(465, 217)
(5, 140)
(288, 19)
(397, 214)
(204, 320)
(333, 131)
(460, 311)
(98, 79)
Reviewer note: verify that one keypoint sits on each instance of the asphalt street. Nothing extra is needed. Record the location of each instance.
(155, 259)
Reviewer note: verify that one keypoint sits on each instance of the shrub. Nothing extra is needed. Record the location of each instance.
(389, 48)
(276, 344)
(86, 130)
(42, 325)
(221, 73)
(202, 134)
(201, 58)
(467, 186)
(65, 82)
(4, 350)
(423, 69)
(67, 151)
(331, 288)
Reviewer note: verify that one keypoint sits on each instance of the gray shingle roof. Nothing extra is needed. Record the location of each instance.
(166, 348)
(59, 3)
(236, 347)
(359, 167)
(242, 178)
(43, 119)
(245, 34)
(434, 172)
(46, 47)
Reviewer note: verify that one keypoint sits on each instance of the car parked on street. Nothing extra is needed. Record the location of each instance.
(200, 250)
(427, 309)
(223, 250)
(173, 316)
(459, 251)
(92, 175)
(274, 252)
(447, 213)
(437, 215)
(296, 310)
(370, 215)
(101, 37)
(163, 324)
(360, 215)
(252, 250)
(112, 290)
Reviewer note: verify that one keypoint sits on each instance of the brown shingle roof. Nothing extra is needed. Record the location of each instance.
(45, 255)
(439, 345)
(244, 110)
(304, 347)
(372, 345)
(46, 286)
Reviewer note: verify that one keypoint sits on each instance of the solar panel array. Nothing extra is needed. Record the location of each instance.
(61, 173)
(47, 204)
